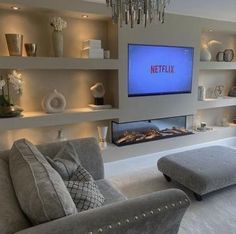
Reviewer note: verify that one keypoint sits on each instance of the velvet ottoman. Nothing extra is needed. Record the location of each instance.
(201, 170)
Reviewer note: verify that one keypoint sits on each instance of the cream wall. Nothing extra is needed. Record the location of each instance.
(177, 31)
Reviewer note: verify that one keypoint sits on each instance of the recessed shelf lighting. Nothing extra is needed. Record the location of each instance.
(15, 8)
(84, 16)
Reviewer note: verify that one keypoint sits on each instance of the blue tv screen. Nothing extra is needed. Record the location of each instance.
(159, 70)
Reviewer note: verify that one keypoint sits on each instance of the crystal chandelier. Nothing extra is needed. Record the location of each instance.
(137, 11)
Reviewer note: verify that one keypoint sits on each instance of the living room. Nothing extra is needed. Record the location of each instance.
(55, 88)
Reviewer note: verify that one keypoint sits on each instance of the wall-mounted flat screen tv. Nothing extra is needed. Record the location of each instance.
(159, 70)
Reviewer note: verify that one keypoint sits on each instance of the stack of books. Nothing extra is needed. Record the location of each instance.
(92, 49)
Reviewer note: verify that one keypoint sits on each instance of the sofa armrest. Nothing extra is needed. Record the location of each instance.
(159, 212)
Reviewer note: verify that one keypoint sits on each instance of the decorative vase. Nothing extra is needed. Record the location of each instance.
(57, 39)
(205, 54)
(102, 134)
(55, 102)
(31, 49)
(201, 93)
(14, 44)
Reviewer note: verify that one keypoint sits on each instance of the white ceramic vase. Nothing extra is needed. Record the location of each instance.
(55, 102)
(57, 40)
(201, 93)
(205, 54)
(102, 134)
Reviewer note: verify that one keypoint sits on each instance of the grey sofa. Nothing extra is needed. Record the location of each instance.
(159, 212)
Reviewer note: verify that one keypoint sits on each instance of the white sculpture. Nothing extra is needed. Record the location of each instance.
(98, 92)
(55, 102)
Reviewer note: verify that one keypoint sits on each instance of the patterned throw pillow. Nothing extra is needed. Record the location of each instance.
(66, 161)
(84, 191)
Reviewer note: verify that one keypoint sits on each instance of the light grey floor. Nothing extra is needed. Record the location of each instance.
(216, 214)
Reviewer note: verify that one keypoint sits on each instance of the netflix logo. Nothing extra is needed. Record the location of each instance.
(162, 69)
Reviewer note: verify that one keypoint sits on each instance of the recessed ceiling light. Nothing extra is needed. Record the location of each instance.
(15, 8)
(84, 16)
(210, 30)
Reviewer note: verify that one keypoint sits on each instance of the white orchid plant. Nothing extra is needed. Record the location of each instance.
(13, 79)
(58, 24)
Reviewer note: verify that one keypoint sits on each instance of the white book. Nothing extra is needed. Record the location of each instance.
(91, 43)
(93, 53)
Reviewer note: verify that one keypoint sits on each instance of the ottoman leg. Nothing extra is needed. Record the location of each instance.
(167, 178)
(198, 197)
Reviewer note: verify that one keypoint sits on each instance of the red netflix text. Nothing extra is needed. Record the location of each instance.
(162, 69)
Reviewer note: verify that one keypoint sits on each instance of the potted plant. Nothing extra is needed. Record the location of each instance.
(13, 81)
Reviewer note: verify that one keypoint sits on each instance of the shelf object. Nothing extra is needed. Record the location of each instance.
(217, 65)
(52, 63)
(215, 103)
(73, 116)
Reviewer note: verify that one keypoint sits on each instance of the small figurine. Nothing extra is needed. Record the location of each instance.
(98, 92)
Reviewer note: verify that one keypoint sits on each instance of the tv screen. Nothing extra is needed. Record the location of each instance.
(159, 70)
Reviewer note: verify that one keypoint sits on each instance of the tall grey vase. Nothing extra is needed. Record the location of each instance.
(57, 40)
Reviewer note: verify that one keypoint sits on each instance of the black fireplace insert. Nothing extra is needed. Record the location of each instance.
(149, 130)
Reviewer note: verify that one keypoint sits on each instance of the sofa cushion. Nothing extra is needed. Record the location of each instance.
(110, 193)
(65, 161)
(40, 190)
(12, 219)
(83, 190)
(85, 194)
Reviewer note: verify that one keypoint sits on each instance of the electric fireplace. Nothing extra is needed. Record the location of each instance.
(149, 130)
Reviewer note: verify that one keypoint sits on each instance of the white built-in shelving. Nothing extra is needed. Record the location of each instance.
(217, 65)
(215, 103)
(98, 14)
(53, 63)
(73, 116)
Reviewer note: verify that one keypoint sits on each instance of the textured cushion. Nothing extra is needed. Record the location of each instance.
(65, 161)
(110, 193)
(84, 190)
(12, 218)
(39, 188)
(201, 170)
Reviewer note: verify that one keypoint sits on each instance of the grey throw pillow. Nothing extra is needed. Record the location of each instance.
(12, 219)
(65, 161)
(40, 190)
(84, 191)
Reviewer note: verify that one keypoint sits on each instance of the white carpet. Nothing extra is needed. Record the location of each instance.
(216, 214)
